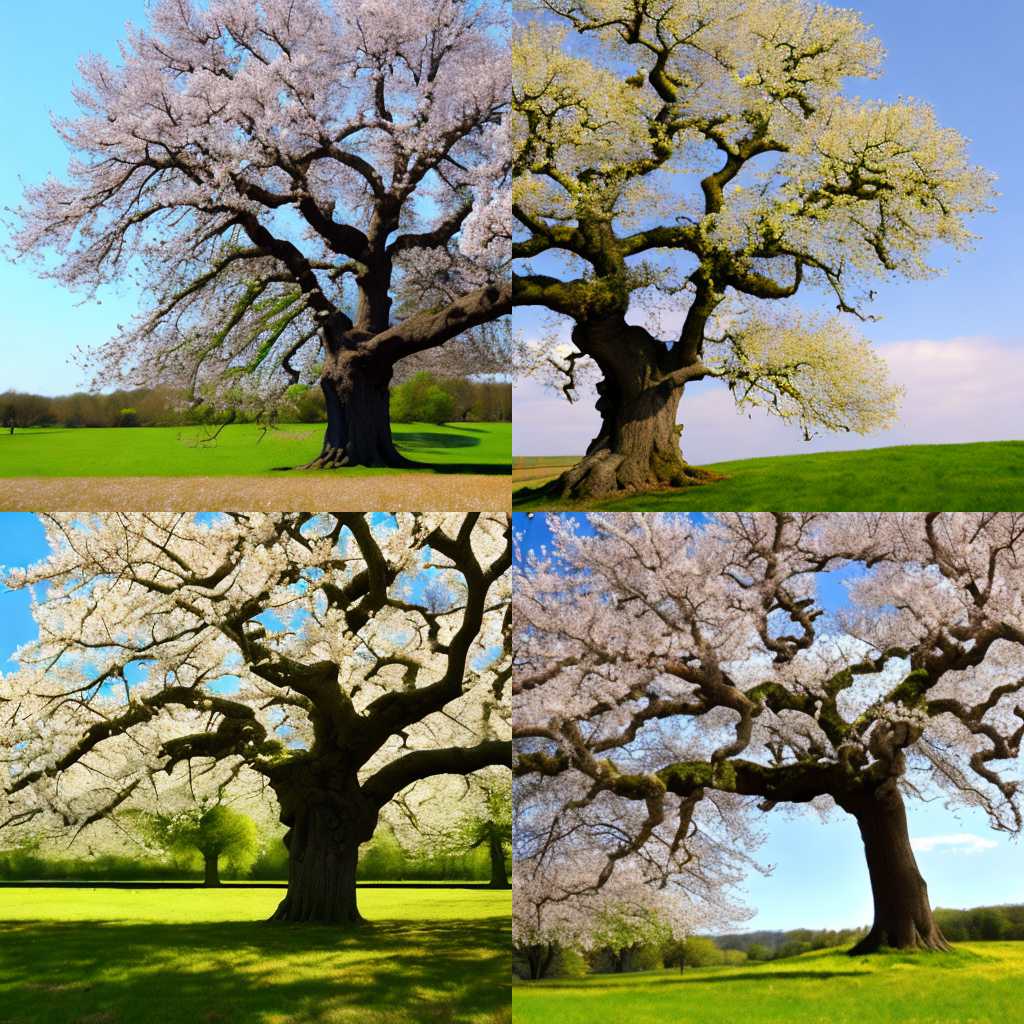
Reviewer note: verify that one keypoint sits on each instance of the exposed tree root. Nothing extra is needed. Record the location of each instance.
(605, 475)
(931, 940)
(339, 458)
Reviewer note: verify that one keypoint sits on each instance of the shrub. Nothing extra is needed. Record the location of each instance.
(421, 399)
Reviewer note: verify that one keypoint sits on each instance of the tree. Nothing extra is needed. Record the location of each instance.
(725, 175)
(570, 895)
(696, 951)
(421, 399)
(295, 647)
(444, 818)
(214, 831)
(661, 664)
(489, 825)
(555, 907)
(266, 165)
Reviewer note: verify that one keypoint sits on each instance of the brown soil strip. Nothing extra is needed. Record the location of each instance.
(409, 492)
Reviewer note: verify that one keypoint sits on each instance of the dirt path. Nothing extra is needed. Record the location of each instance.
(412, 492)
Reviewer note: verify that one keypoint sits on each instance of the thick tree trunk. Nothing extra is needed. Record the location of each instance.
(211, 874)
(358, 422)
(903, 914)
(499, 877)
(322, 857)
(637, 448)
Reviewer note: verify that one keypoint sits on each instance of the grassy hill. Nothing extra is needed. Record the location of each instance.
(239, 450)
(982, 477)
(980, 983)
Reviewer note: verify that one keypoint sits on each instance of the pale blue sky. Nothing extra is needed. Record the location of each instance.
(956, 343)
(820, 879)
(40, 323)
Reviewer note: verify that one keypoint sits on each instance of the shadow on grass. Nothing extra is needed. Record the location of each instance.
(36, 431)
(422, 439)
(775, 976)
(407, 972)
(697, 978)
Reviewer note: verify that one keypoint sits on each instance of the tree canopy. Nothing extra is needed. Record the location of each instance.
(662, 664)
(698, 164)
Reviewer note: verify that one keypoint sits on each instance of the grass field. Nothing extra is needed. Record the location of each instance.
(980, 983)
(240, 449)
(951, 477)
(89, 956)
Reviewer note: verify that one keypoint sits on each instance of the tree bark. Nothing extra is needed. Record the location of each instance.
(538, 959)
(499, 877)
(903, 915)
(358, 421)
(211, 874)
(637, 447)
(323, 851)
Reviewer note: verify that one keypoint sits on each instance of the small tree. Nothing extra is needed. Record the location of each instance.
(421, 399)
(694, 951)
(489, 825)
(214, 831)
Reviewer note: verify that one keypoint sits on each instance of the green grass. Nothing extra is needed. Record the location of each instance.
(980, 983)
(954, 477)
(239, 450)
(199, 957)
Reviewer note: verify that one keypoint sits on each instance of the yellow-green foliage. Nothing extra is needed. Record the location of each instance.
(727, 134)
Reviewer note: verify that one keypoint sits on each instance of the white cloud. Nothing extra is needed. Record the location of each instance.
(956, 842)
(961, 389)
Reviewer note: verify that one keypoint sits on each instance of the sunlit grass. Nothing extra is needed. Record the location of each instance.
(238, 449)
(92, 956)
(951, 477)
(979, 983)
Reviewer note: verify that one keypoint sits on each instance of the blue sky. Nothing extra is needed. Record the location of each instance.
(956, 342)
(820, 879)
(40, 323)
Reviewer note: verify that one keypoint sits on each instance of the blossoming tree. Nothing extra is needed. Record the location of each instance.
(262, 167)
(727, 173)
(341, 658)
(661, 664)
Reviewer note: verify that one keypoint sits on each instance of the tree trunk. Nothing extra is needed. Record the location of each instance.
(538, 959)
(499, 877)
(322, 857)
(211, 874)
(637, 448)
(903, 914)
(358, 422)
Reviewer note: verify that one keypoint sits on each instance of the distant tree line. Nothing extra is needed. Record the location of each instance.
(383, 859)
(979, 924)
(777, 945)
(422, 398)
(982, 924)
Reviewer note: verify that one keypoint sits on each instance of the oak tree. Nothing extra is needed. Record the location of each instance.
(661, 664)
(339, 657)
(706, 159)
(304, 189)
